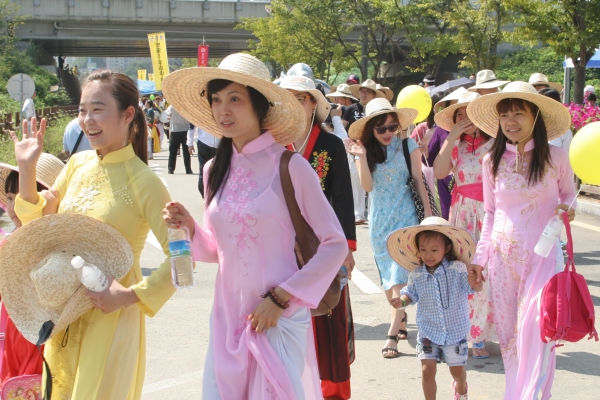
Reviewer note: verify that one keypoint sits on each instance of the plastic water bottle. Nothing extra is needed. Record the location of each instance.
(344, 274)
(90, 276)
(549, 235)
(182, 266)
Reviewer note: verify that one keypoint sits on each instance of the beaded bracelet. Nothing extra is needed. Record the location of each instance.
(273, 296)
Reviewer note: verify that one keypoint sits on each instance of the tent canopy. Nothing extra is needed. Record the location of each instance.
(593, 63)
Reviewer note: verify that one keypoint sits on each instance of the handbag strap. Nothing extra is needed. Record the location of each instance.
(298, 220)
(570, 255)
(407, 157)
(3, 322)
(77, 143)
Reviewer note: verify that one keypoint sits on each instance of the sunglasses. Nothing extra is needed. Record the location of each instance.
(392, 128)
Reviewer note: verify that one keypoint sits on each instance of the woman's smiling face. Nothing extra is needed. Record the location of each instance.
(517, 122)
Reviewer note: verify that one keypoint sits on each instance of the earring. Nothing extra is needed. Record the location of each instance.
(314, 110)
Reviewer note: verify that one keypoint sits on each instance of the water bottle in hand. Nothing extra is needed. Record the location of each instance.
(182, 266)
(549, 235)
(90, 276)
(344, 274)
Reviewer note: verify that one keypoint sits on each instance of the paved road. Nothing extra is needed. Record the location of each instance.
(178, 336)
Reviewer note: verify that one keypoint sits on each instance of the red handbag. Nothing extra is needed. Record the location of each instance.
(567, 309)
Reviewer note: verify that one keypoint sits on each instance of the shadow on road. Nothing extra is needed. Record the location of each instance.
(579, 362)
(587, 258)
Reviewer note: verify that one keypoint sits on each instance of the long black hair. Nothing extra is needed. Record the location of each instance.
(541, 152)
(376, 153)
(219, 170)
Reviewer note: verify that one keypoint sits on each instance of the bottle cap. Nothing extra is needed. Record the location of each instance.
(77, 262)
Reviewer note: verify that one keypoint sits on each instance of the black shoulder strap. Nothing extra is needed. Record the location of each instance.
(407, 156)
(77, 143)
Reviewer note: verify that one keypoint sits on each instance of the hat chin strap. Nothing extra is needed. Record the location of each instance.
(519, 156)
(516, 142)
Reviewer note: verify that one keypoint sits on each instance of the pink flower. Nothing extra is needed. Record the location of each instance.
(461, 176)
(455, 153)
(475, 331)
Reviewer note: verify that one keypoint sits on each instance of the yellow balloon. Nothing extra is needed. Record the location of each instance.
(414, 96)
(583, 153)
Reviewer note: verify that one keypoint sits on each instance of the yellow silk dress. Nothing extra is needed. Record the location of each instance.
(103, 356)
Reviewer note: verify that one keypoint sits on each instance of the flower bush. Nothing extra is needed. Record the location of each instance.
(583, 115)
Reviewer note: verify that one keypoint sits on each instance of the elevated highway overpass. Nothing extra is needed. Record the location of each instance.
(119, 28)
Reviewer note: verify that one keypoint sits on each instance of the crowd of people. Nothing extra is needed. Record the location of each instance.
(454, 207)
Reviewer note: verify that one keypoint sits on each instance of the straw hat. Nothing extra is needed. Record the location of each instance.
(376, 107)
(486, 79)
(451, 97)
(541, 79)
(482, 111)
(369, 84)
(47, 170)
(342, 90)
(403, 248)
(444, 118)
(186, 91)
(303, 84)
(389, 93)
(37, 281)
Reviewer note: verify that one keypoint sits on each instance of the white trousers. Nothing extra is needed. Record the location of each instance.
(358, 193)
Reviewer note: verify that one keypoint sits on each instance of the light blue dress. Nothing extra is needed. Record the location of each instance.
(391, 208)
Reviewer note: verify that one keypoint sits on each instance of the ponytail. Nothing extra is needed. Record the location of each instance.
(138, 135)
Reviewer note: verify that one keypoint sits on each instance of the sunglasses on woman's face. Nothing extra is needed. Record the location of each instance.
(392, 128)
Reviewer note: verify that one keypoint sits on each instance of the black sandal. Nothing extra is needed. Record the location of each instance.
(402, 331)
(387, 349)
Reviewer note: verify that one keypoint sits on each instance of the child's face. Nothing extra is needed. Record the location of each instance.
(10, 209)
(432, 250)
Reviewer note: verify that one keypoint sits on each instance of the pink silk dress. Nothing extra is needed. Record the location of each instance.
(249, 233)
(515, 216)
(466, 211)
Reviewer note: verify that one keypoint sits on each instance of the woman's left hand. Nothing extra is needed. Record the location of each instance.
(114, 297)
(565, 207)
(267, 313)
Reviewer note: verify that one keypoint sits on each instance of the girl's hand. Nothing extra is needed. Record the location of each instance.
(355, 147)
(175, 215)
(31, 146)
(476, 269)
(459, 128)
(565, 207)
(424, 148)
(52, 201)
(267, 313)
(472, 278)
(114, 297)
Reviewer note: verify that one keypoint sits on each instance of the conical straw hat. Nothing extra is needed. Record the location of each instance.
(377, 107)
(444, 118)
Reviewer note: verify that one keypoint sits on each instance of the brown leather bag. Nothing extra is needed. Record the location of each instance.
(306, 240)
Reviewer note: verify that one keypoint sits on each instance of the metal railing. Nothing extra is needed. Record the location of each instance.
(12, 121)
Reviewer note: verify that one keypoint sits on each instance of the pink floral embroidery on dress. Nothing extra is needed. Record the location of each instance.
(238, 204)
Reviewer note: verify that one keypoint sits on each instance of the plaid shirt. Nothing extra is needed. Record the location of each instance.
(442, 297)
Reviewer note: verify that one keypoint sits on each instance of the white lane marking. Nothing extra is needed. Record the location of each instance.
(587, 226)
(164, 181)
(363, 322)
(153, 240)
(364, 284)
(168, 383)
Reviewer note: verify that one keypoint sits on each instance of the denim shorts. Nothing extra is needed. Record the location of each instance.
(453, 354)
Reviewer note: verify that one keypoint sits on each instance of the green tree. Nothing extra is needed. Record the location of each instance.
(481, 27)
(571, 28)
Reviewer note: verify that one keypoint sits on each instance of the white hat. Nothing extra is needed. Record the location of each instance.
(541, 79)
(38, 283)
(452, 96)
(301, 83)
(369, 84)
(482, 111)
(486, 79)
(377, 107)
(444, 118)
(589, 88)
(186, 91)
(403, 248)
(343, 90)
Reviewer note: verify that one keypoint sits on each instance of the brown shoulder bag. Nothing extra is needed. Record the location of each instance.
(306, 240)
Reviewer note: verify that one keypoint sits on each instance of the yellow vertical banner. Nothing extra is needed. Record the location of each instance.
(150, 77)
(142, 74)
(158, 51)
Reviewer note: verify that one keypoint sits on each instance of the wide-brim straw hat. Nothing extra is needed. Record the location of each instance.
(444, 118)
(369, 84)
(403, 248)
(186, 91)
(389, 93)
(341, 90)
(38, 283)
(452, 96)
(482, 111)
(47, 170)
(486, 79)
(303, 84)
(541, 79)
(376, 107)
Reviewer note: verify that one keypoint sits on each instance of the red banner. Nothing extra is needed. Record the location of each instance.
(203, 56)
